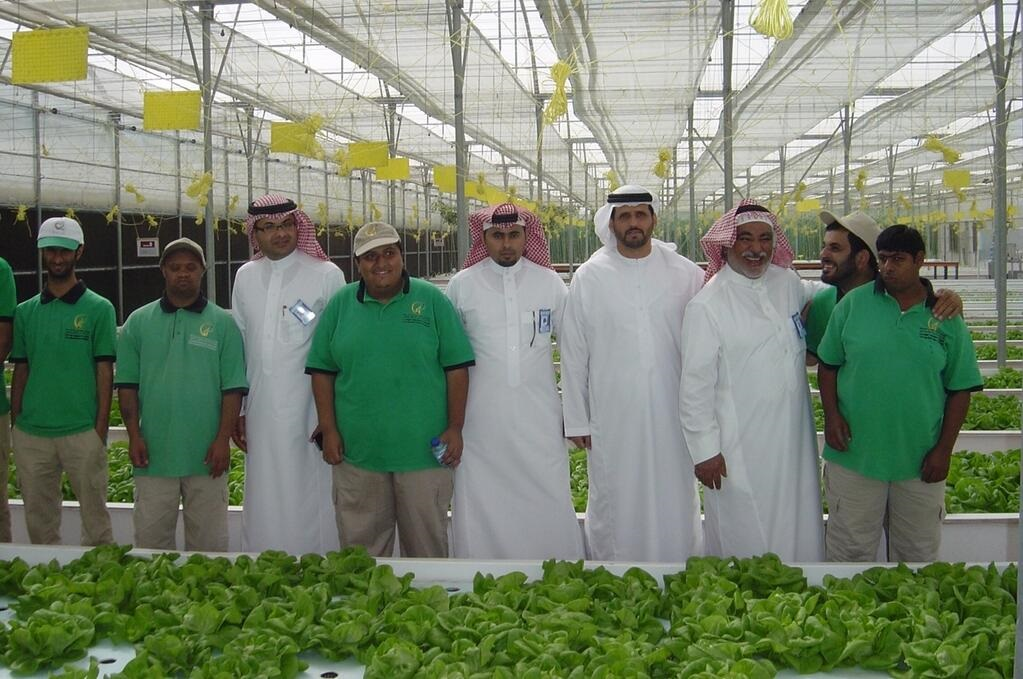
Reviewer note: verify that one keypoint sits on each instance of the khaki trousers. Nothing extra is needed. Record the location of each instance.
(859, 508)
(205, 511)
(40, 460)
(368, 504)
(5, 452)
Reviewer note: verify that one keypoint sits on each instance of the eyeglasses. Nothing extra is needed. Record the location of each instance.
(282, 226)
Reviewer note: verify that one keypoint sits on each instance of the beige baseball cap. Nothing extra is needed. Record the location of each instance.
(186, 244)
(858, 223)
(373, 235)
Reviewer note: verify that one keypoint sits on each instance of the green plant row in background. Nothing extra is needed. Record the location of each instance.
(999, 413)
(977, 482)
(1009, 335)
(211, 617)
(121, 479)
(1006, 378)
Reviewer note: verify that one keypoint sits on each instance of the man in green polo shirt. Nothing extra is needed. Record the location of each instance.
(895, 385)
(180, 382)
(8, 302)
(389, 365)
(849, 260)
(63, 353)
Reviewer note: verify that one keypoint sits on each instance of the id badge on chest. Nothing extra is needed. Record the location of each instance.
(543, 321)
(797, 321)
(303, 313)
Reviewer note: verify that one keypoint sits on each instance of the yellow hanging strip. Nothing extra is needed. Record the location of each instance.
(772, 19)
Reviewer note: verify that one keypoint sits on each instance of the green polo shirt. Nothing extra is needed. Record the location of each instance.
(182, 361)
(8, 302)
(817, 316)
(61, 340)
(895, 371)
(390, 395)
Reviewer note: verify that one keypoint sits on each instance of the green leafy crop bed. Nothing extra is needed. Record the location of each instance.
(211, 617)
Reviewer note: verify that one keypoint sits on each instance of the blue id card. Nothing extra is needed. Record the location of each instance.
(797, 321)
(544, 322)
(303, 313)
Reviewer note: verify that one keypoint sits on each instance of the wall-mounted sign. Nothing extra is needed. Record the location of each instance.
(148, 247)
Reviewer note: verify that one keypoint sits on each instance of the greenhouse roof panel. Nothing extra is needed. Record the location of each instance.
(965, 91)
(406, 45)
(637, 70)
(837, 54)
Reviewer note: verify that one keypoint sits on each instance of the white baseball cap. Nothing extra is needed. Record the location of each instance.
(60, 232)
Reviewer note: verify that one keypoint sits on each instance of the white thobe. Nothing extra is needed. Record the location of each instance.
(288, 504)
(512, 497)
(744, 394)
(620, 359)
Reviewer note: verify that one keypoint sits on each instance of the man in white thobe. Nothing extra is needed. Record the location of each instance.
(512, 498)
(621, 353)
(276, 301)
(744, 397)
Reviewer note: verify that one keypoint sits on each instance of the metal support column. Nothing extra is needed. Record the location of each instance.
(847, 129)
(694, 234)
(458, 54)
(115, 125)
(727, 26)
(37, 178)
(206, 12)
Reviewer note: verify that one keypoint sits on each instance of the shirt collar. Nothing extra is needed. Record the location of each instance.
(284, 262)
(929, 300)
(70, 297)
(360, 294)
(502, 270)
(195, 307)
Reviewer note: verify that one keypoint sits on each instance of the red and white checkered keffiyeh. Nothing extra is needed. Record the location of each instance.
(276, 208)
(537, 250)
(721, 236)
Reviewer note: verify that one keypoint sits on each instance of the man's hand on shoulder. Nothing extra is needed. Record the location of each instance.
(947, 304)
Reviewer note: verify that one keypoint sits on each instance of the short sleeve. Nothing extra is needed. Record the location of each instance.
(961, 372)
(560, 299)
(8, 294)
(232, 358)
(128, 354)
(104, 340)
(19, 349)
(831, 351)
(320, 358)
(455, 350)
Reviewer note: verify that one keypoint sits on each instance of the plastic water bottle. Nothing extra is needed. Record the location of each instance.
(438, 448)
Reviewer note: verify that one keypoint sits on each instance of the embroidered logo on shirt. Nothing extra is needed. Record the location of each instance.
(415, 314)
(931, 333)
(78, 329)
(205, 329)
